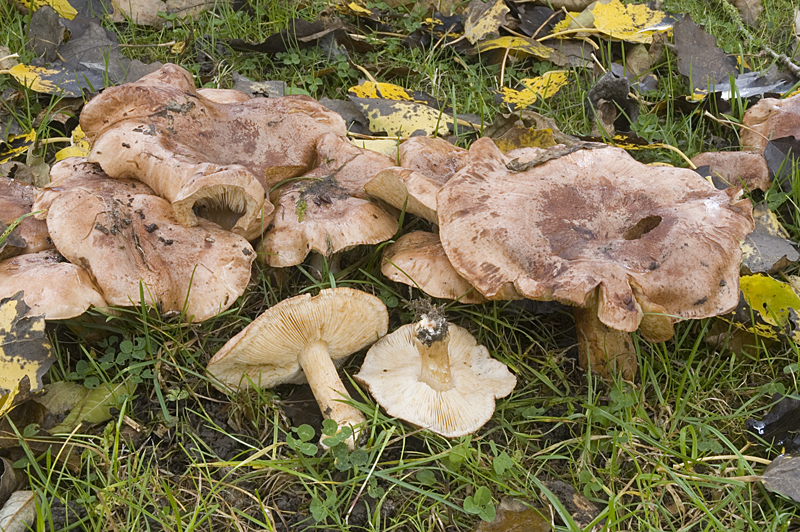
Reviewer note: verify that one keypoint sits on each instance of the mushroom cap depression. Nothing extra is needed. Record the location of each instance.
(124, 237)
(595, 218)
(392, 371)
(266, 352)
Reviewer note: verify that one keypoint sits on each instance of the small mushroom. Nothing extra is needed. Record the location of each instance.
(301, 337)
(770, 119)
(30, 236)
(735, 168)
(418, 259)
(435, 375)
(595, 229)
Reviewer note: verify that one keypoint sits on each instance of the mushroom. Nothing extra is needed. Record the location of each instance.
(418, 259)
(301, 337)
(770, 119)
(627, 243)
(435, 375)
(327, 210)
(210, 148)
(425, 166)
(30, 236)
(744, 168)
(52, 287)
(124, 237)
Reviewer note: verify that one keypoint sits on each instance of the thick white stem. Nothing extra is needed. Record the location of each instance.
(328, 388)
(435, 359)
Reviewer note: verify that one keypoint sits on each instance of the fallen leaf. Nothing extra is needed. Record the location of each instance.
(16, 145)
(62, 7)
(782, 156)
(521, 47)
(699, 57)
(25, 350)
(45, 34)
(780, 427)
(96, 406)
(743, 85)
(514, 516)
(542, 87)
(146, 12)
(388, 91)
(388, 147)
(525, 137)
(768, 307)
(402, 118)
(19, 512)
(782, 476)
(630, 22)
(609, 105)
(62, 396)
(483, 18)
(570, 5)
(749, 10)
(581, 509)
(11, 480)
(79, 146)
(767, 249)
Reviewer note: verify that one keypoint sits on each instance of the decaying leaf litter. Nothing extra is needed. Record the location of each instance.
(252, 460)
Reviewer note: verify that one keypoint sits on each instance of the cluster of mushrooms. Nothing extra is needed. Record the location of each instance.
(179, 182)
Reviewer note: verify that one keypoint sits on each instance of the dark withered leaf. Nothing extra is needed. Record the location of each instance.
(783, 476)
(288, 39)
(780, 427)
(767, 249)
(699, 57)
(782, 156)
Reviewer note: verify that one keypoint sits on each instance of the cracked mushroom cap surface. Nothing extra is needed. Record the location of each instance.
(595, 218)
(123, 237)
(274, 138)
(392, 369)
(52, 287)
(265, 353)
(418, 259)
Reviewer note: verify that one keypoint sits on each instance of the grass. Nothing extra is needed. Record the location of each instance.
(666, 453)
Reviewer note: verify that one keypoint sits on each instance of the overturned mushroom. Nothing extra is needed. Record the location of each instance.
(434, 375)
(300, 337)
(417, 259)
(595, 229)
(124, 236)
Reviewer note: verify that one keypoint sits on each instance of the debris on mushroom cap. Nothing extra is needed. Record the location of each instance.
(393, 369)
(16, 200)
(418, 259)
(228, 195)
(52, 287)
(595, 219)
(769, 119)
(274, 138)
(123, 237)
(324, 217)
(736, 168)
(300, 337)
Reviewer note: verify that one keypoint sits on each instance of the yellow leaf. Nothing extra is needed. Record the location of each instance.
(61, 7)
(483, 19)
(387, 147)
(544, 87)
(24, 348)
(357, 9)
(79, 146)
(387, 91)
(630, 22)
(46, 80)
(518, 44)
(402, 119)
(17, 144)
(565, 23)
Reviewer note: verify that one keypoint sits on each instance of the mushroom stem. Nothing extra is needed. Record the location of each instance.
(432, 341)
(328, 388)
(604, 350)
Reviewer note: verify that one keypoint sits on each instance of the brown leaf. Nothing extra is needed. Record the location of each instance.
(749, 10)
(515, 516)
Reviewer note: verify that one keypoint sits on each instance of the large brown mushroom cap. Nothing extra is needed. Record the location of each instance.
(770, 119)
(432, 157)
(393, 368)
(418, 259)
(123, 238)
(300, 337)
(52, 287)
(274, 138)
(591, 219)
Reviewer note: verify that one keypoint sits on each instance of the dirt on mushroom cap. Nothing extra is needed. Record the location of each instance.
(595, 218)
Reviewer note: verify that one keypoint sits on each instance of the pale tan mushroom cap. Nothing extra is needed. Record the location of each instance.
(770, 119)
(123, 238)
(736, 168)
(265, 353)
(323, 217)
(54, 288)
(405, 189)
(433, 157)
(392, 369)
(418, 259)
(16, 199)
(595, 218)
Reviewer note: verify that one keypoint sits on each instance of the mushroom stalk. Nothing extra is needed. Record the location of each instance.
(432, 342)
(328, 388)
(605, 350)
